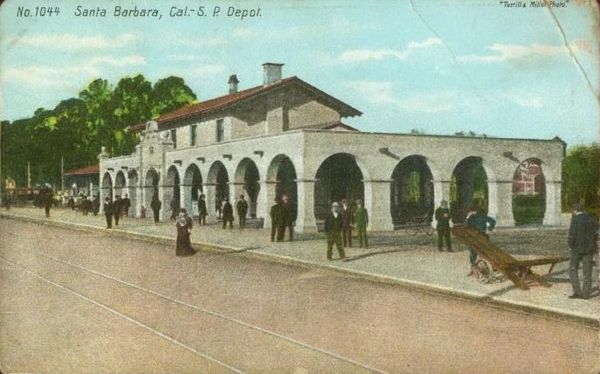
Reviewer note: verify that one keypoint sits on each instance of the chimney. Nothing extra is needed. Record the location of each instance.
(272, 72)
(233, 84)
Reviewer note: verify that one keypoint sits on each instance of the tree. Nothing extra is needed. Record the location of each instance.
(169, 94)
(580, 176)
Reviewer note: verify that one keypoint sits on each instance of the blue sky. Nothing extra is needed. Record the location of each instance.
(438, 66)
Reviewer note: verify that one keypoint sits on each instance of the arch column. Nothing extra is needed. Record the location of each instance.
(504, 198)
(377, 202)
(493, 199)
(266, 198)
(553, 207)
(306, 221)
(210, 190)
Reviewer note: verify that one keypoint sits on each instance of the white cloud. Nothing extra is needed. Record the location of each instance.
(359, 55)
(508, 52)
(526, 101)
(381, 93)
(71, 41)
(47, 77)
(117, 61)
(201, 42)
(63, 77)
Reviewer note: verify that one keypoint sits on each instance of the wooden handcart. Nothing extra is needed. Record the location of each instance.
(518, 271)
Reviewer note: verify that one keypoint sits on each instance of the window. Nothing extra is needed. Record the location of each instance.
(220, 130)
(193, 130)
(174, 137)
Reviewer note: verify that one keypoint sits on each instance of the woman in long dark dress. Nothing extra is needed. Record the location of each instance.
(184, 229)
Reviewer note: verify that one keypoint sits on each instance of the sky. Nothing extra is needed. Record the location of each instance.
(437, 66)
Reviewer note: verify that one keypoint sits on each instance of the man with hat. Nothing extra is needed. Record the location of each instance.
(442, 217)
(583, 233)
(108, 212)
(333, 228)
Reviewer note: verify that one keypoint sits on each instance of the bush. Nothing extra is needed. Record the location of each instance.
(529, 209)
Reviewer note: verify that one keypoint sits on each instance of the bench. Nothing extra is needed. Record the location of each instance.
(518, 271)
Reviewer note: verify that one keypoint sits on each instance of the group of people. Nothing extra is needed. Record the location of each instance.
(339, 224)
(116, 209)
(283, 216)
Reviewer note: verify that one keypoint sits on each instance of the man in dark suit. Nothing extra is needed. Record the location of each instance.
(126, 202)
(346, 223)
(333, 228)
(242, 209)
(277, 221)
(117, 209)
(108, 212)
(289, 215)
(582, 242)
(227, 213)
(47, 197)
(442, 216)
(483, 223)
(156, 204)
(202, 211)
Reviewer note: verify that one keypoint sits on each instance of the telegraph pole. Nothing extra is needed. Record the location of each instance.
(28, 175)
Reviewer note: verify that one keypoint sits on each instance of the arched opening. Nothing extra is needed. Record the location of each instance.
(217, 175)
(338, 177)
(132, 176)
(192, 188)
(529, 193)
(150, 187)
(172, 192)
(411, 192)
(468, 188)
(247, 173)
(107, 186)
(282, 171)
(119, 183)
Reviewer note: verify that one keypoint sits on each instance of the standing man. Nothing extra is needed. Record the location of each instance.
(442, 216)
(289, 216)
(47, 198)
(156, 204)
(361, 220)
(126, 204)
(117, 209)
(480, 221)
(333, 228)
(174, 209)
(346, 223)
(84, 205)
(582, 242)
(227, 213)
(202, 212)
(242, 209)
(96, 205)
(277, 221)
(108, 212)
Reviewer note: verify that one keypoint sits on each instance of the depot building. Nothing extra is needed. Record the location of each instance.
(287, 136)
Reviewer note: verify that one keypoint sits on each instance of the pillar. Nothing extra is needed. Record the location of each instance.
(503, 203)
(377, 202)
(210, 191)
(306, 222)
(553, 207)
(266, 198)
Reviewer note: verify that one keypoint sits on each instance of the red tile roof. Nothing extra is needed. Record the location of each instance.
(222, 102)
(85, 171)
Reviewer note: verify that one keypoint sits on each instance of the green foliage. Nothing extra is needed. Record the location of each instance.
(78, 127)
(580, 176)
(529, 209)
